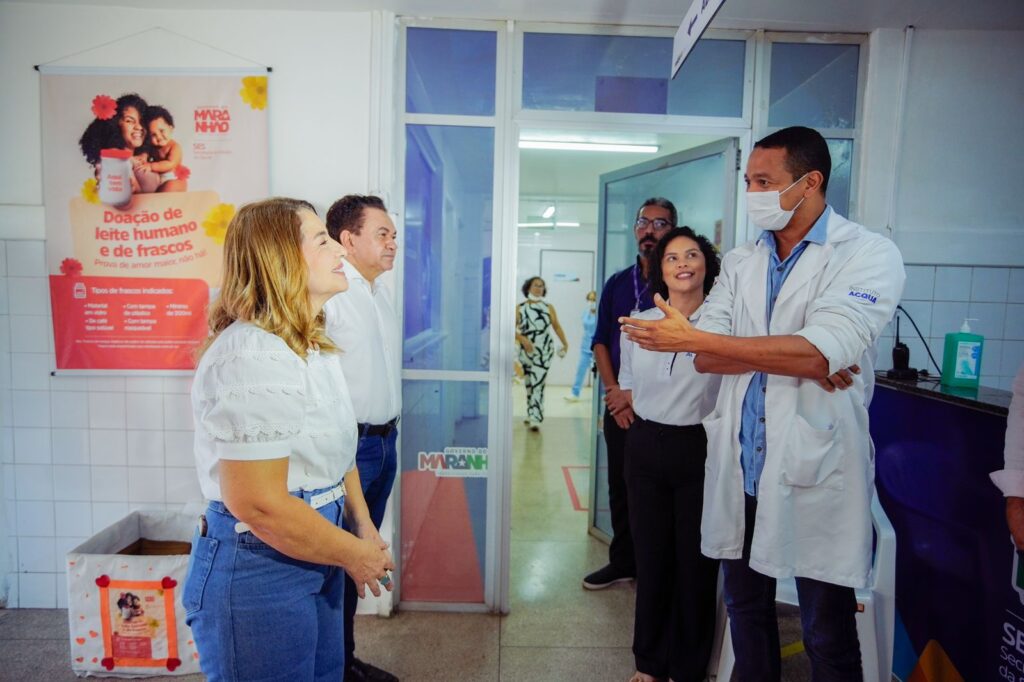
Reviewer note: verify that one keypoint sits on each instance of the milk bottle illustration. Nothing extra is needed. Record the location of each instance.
(116, 177)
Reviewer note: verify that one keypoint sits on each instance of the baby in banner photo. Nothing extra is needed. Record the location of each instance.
(165, 155)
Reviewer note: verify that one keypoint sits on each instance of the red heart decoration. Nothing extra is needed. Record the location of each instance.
(173, 663)
(168, 582)
(79, 659)
(103, 581)
(80, 640)
(93, 633)
(195, 655)
(94, 659)
(108, 663)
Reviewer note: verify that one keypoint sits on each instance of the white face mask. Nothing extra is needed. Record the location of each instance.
(534, 297)
(765, 209)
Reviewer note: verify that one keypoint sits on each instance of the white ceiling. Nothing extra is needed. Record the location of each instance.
(575, 175)
(810, 15)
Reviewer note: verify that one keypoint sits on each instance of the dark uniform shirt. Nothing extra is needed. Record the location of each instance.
(624, 292)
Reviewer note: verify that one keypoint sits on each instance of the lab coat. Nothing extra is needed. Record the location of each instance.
(814, 496)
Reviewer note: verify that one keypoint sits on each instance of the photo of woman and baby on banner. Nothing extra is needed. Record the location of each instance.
(142, 174)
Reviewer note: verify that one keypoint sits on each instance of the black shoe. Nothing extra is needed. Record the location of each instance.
(360, 671)
(605, 577)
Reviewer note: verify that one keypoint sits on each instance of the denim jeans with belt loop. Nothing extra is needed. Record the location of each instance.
(257, 614)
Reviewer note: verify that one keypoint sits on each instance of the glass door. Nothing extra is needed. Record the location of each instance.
(451, 443)
(701, 182)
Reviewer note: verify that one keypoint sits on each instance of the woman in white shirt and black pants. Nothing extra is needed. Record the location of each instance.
(275, 445)
(665, 451)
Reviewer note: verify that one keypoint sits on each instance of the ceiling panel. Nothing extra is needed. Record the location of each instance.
(807, 15)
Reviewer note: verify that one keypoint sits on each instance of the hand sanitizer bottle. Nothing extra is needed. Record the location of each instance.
(961, 358)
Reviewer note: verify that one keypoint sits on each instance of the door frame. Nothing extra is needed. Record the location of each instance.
(731, 147)
(387, 172)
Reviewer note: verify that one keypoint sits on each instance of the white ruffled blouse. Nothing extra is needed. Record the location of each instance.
(253, 398)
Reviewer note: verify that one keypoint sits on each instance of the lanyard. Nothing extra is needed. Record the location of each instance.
(637, 291)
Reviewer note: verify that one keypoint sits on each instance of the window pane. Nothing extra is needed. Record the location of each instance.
(696, 188)
(444, 466)
(448, 205)
(450, 71)
(838, 192)
(813, 85)
(629, 74)
(710, 81)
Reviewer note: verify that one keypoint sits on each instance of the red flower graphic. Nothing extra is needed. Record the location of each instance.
(103, 107)
(71, 267)
(182, 172)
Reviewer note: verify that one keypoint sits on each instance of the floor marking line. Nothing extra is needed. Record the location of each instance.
(793, 649)
(573, 496)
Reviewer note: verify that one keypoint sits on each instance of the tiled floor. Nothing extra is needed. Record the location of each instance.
(556, 631)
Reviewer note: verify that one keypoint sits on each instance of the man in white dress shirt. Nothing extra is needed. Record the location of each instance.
(363, 324)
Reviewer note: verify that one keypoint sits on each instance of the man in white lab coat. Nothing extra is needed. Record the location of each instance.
(790, 467)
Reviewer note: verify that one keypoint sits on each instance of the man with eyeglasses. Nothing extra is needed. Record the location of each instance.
(626, 292)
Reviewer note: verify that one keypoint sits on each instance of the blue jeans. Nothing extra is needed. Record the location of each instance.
(257, 614)
(377, 461)
(827, 615)
(586, 359)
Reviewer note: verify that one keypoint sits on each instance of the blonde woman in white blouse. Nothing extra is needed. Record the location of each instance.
(664, 466)
(275, 443)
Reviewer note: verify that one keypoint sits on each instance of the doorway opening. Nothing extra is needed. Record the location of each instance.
(575, 213)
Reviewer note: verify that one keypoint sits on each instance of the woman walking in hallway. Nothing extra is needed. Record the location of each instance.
(535, 319)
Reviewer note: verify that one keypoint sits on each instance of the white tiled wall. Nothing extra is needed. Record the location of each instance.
(76, 453)
(938, 298)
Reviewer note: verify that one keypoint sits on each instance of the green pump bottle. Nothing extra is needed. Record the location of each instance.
(961, 358)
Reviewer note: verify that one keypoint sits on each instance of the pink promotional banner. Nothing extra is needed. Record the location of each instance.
(141, 176)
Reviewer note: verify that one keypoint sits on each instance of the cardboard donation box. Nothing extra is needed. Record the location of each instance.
(124, 598)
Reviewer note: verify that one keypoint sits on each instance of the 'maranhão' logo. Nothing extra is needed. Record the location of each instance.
(455, 462)
(212, 119)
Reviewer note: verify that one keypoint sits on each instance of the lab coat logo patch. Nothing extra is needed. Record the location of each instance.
(866, 296)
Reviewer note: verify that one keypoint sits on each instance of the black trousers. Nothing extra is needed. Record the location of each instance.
(620, 552)
(675, 584)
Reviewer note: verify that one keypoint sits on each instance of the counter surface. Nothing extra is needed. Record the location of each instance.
(992, 400)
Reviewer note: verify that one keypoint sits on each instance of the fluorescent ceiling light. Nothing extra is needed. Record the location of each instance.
(548, 212)
(558, 224)
(567, 224)
(588, 146)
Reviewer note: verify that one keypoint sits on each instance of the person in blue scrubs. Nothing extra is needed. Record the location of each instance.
(586, 354)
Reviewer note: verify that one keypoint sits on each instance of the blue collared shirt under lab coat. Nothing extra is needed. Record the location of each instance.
(753, 438)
